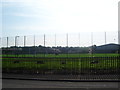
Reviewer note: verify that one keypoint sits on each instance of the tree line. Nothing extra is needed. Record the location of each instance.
(45, 50)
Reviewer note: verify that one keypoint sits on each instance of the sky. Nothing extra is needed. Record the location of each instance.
(28, 17)
(39, 17)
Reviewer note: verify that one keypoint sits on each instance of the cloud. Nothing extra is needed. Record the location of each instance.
(66, 15)
(33, 28)
(17, 1)
(27, 15)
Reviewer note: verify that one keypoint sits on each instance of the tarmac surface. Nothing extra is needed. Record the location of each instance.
(36, 81)
(11, 83)
(61, 77)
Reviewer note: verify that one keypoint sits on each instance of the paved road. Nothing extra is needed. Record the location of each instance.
(9, 83)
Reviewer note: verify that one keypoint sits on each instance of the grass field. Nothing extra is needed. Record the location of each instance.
(68, 62)
(63, 55)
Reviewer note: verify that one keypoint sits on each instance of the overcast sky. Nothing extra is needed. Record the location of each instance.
(28, 17)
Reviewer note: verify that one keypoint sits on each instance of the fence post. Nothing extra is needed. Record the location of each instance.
(105, 37)
(92, 38)
(92, 43)
(24, 45)
(79, 58)
(67, 43)
(55, 40)
(7, 42)
(79, 43)
(7, 46)
(16, 40)
(34, 40)
(0, 42)
(55, 51)
(34, 46)
(16, 52)
(44, 46)
(24, 41)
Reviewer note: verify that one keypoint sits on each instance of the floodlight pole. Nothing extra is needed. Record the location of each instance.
(92, 42)
(105, 37)
(92, 38)
(55, 40)
(119, 38)
(7, 42)
(44, 40)
(44, 46)
(0, 42)
(67, 43)
(79, 43)
(34, 40)
(55, 46)
(67, 39)
(24, 41)
(34, 46)
(16, 40)
(79, 39)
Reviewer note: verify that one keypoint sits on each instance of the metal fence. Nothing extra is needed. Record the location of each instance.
(62, 57)
(82, 68)
(82, 39)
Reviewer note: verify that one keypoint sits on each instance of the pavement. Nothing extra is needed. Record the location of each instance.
(11, 83)
(61, 77)
(60, 81)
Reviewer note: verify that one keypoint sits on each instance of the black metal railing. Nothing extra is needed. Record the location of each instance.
(64, 68)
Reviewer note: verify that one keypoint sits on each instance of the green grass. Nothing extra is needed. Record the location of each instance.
(63, 55)
(55, 63)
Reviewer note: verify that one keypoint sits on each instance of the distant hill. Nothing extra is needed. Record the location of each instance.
(107, 48)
